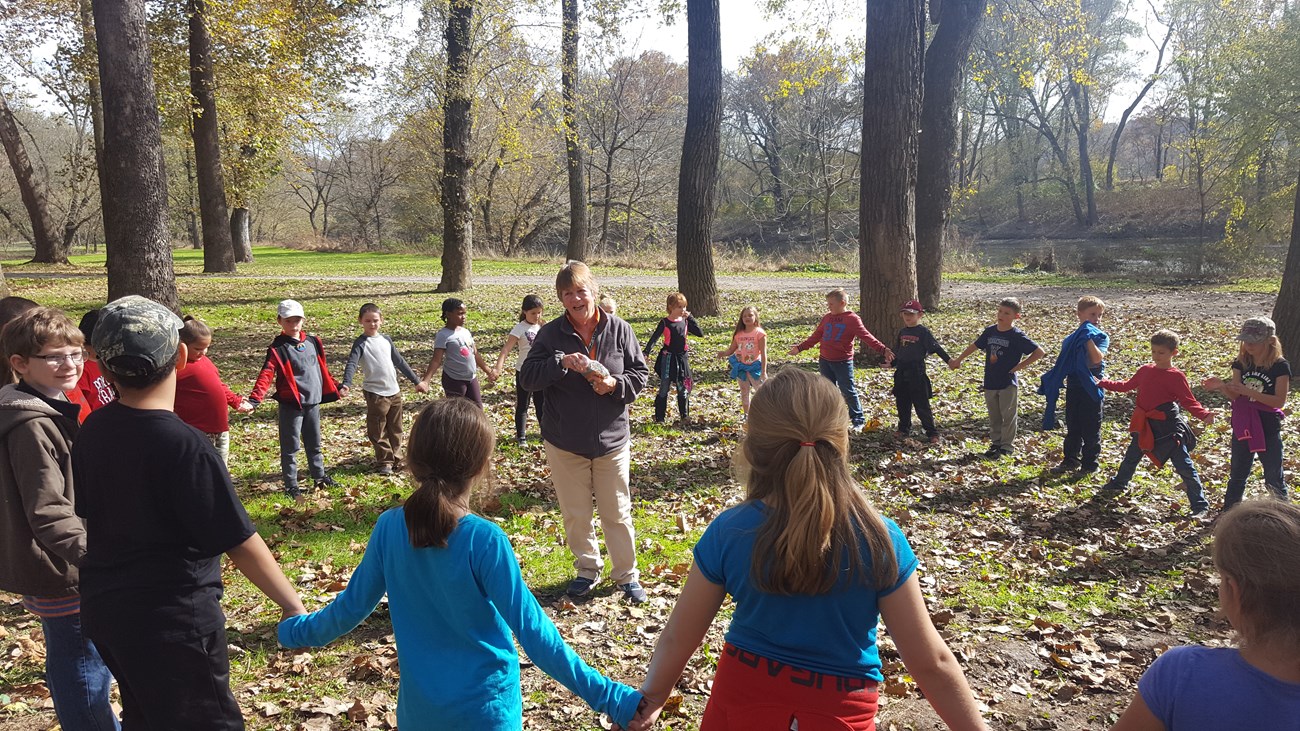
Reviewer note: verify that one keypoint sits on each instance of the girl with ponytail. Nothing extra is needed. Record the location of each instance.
(455, 594)
(811, 567)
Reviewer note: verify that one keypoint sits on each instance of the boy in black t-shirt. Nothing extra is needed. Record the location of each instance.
(160, 510)
(1004, 345)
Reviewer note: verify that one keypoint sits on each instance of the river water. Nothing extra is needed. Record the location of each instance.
(1168, 257)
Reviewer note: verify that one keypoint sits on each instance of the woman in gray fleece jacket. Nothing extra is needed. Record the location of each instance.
(589, 366)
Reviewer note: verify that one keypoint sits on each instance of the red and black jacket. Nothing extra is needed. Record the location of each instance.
(278, 366)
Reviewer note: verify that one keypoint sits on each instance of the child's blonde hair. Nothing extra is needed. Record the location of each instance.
(608, 304)
(1271, 355)
(676, 299)
(795, 459)
(1257, 545)
(740, 322)
(839, 294)
(1088, 301)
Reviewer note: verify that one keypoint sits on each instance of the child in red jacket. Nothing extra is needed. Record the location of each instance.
(295, 362)
(202, 400)
(1159, 427)
(834, 336)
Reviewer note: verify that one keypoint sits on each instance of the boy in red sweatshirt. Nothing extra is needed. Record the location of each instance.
(1159, 428)
(835, 335)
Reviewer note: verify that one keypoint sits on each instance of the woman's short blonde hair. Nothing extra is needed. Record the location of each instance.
(575, 274)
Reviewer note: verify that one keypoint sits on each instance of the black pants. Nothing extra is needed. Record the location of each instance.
(522, 398)
(1082, 428)
(1243, 461)
(912, 391)
(172, 685)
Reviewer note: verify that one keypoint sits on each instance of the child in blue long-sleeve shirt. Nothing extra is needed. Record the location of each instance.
(455, 594)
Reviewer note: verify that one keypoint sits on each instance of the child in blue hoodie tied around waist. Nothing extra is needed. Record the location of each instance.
(455, 594)
(1079, 362)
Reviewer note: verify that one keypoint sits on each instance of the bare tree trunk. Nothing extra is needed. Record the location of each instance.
(1083, 125)
(191, 215)
(48, 247)
(701, 148)
(945, 61)
(457, 218)
(239, 218)
(577, 248)
(94, 98)
(891, 114)
(218, 246)
(1128, 111)
(4, 286)
(134, 194)
(1286, 313)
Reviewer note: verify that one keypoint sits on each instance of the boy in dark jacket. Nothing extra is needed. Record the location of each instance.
(912, 389)
(295, 363)
(42, 541)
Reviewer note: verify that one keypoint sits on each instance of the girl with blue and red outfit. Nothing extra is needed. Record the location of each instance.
(812, 568)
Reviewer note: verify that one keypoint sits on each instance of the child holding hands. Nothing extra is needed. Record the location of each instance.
(379, 359)
(1004, 346)
(457, 599)
(203, 400)
(673, 365)
(456, 354)
(1160, 430)
(747, 355)
(522, 335)
(1261, 380)
(912, 389)
(812, 567)
(834, 337)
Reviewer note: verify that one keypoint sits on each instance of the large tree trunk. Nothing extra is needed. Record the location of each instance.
(945, 61)
(577, 248)
(457, 218)
(243, 245)
(218, 247)
(1286, 311)
(701, 148)
(134, 193)
(891, 114)
(48, 246)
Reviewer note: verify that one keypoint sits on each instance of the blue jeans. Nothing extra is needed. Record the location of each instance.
(840, 372)
(300, 426)
(1243, 462)
(78, 678)
(1180, 460)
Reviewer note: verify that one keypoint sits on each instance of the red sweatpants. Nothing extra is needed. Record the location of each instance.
(754, 693)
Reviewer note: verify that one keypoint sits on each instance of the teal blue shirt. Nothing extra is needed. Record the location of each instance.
(832, 633)
(453, 612)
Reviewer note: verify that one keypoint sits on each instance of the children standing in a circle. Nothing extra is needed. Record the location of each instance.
(455, 352)
(747, 354)
(1261, 379)
(523, 334)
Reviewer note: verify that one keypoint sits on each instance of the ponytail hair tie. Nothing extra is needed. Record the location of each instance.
(807, 444)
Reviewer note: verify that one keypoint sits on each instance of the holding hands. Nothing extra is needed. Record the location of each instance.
(245, 407)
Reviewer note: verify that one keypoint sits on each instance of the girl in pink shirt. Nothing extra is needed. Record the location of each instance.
(747, 354)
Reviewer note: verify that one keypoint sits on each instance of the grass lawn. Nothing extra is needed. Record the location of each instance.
(1054, 600)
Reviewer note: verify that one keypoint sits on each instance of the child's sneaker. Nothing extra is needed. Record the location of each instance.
(385, 469)
(634, 593)
(325, 482)
(857, 428)
(1068, 465)
(993, 452)
(934, 438)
